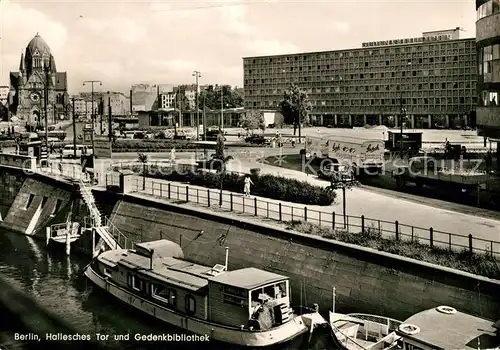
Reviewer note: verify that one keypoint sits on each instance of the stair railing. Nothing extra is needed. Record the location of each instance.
(116, 233)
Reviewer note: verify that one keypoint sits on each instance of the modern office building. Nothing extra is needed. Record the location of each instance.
(488, 49)
(432, 77)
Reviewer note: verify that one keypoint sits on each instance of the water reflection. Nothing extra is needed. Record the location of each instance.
(55, 280)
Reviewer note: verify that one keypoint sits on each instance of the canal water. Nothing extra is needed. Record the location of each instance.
(56, 283)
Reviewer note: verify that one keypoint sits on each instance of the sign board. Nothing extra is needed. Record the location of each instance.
(87, 137)
(102, 148)
(357, 151)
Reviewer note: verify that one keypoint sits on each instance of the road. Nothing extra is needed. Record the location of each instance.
(380, 212)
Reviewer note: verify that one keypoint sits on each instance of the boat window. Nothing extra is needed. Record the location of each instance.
(136, 283)
(281, 290)
(107, 272)
(269, 290)
(173, 297)
(160, 292)
(190, 304)
(255, 295)
(235, 296)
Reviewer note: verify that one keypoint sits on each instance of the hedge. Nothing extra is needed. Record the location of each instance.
(268, 186)
(161, 145)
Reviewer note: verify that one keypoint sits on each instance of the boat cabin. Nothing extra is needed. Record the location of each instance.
(247, 298)
(446, 328)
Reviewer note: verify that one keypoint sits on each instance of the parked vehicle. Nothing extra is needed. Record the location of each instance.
(68, 151)
(244, 307)
(257, 139)
(425, 171)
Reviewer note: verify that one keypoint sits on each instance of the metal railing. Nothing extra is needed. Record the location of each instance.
(119, 237)
(275, 210)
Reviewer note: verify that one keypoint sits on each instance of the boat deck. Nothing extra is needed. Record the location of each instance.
(186, 274)
(453, 331)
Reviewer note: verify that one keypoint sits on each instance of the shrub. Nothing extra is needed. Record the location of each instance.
(269, 186)
(485, 265)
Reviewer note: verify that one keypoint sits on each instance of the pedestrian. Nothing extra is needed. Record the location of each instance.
(248, 182)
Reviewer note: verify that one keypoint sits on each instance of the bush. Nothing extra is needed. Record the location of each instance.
(269, 186)
(151, 145)
(485, 265)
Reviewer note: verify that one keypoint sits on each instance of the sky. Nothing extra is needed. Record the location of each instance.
(162, 42)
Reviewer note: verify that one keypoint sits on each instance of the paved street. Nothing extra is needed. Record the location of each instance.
(378, 206)
(383, 209)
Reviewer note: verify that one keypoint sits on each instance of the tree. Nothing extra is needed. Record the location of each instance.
(253, 119)
(212, 96)
(143, 158)
(221, 158)
(295, 107)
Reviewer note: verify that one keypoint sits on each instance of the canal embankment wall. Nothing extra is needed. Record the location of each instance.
(366, 280)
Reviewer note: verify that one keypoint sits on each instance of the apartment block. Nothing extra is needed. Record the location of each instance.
(488, 48)
(427, 81)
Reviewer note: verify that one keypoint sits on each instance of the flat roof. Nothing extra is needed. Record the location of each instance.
(358, 48)
(247, 278)
(169, 270)
(452, 331)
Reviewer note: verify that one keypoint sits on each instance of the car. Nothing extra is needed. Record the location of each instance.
(257, 139)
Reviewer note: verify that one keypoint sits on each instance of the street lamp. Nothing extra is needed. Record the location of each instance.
(197, 75)
(402, 111)
(92, 115)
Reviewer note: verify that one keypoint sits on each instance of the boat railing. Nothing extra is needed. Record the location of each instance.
(392, 323)
(116, 233)
(344, 339)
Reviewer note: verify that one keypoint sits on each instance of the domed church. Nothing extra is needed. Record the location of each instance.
(38, 76)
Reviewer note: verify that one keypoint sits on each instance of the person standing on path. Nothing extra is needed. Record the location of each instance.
(248, 182)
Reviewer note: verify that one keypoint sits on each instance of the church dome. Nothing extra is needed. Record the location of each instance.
(37, 44)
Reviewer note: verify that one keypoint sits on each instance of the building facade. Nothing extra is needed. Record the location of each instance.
(36, 78)
(83, 107)
(488, 50)
(433, 78)
(4, 93)
(120, 104)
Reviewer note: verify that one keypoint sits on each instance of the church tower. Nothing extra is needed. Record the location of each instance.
(37, 78)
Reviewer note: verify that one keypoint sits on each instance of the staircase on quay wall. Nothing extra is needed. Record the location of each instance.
(109, 234)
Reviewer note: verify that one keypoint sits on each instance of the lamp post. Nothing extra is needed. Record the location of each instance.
(45, 103)
(92, 115)
(74, 127)
(402, 112)
(197, 75)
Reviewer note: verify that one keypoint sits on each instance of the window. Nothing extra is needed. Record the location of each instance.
(30, 200)
(235, 296)
(190, 305)
(161, 293)
(107, 272)
(136, 283)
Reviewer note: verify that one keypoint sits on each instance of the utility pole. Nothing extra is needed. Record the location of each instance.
(402, 112)
(45, 103)
(110, 124)
(101, 110)
(74, 128)
(197, 75)
(221, 108)
(92, 115)
(204, 117)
